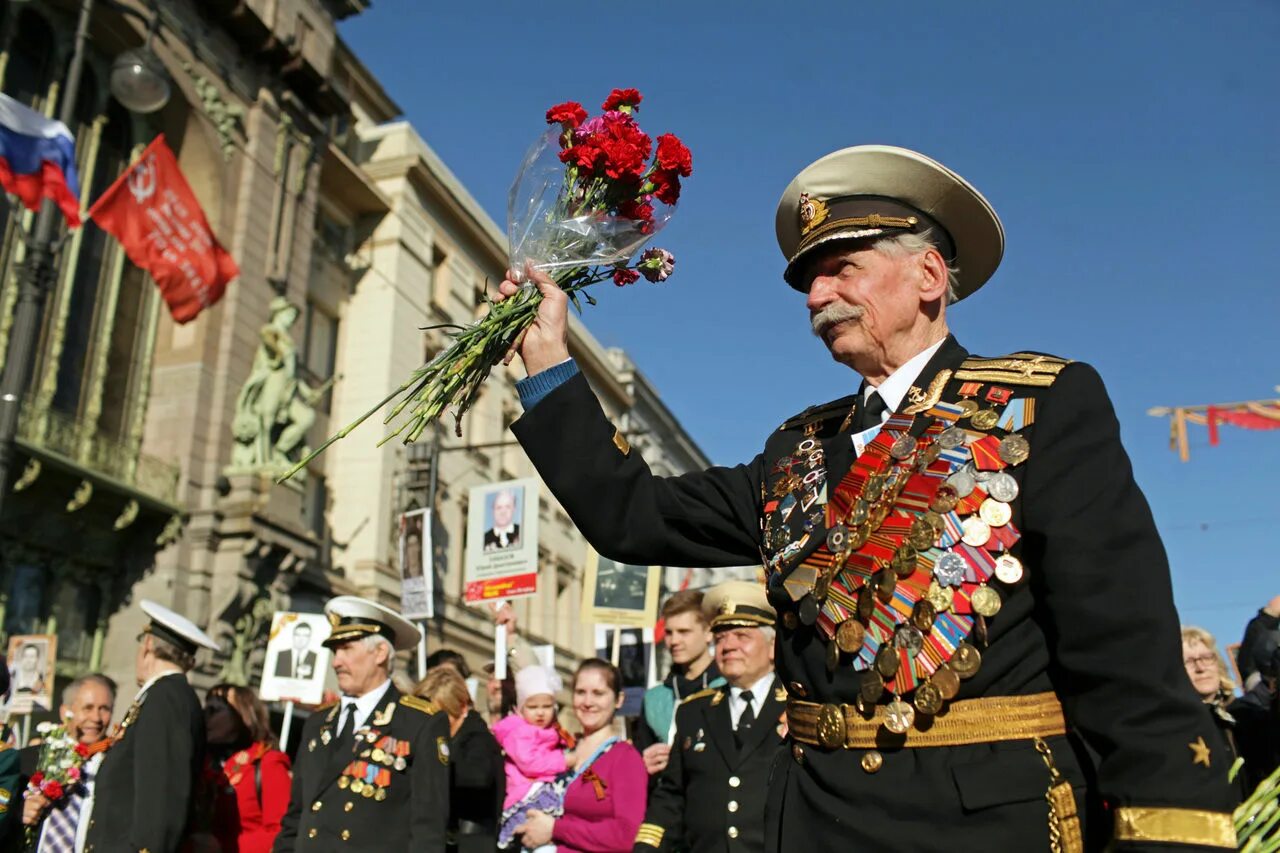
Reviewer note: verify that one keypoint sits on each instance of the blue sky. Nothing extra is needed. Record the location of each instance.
(1130, 149)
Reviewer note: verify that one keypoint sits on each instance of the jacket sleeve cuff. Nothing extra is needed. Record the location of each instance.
(533, 388)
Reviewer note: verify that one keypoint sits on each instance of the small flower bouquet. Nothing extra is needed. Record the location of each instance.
(58, 769)
(590, 192)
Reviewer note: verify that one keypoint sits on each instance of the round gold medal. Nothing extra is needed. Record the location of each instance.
(366, 791)
(984, 419)
(898, 717)
(866, 601)
(945, 499)
(886, 583)
(965, 660)
(923, 614)
(967, 408)
(833, 656)
(872, 687)
(928, 698)
(378, 755)
(859, 513)
(357, 785)
(850, 635)
(874, 487)
(822, 586)
(1014, 449)
(344, 782)
(1008, 569)
(939, 596)
(921, 535)
(995, 513)
(976, 532)
(887, 661)
(903, 447)
(947, 682)
(985, 601)
(380, 794)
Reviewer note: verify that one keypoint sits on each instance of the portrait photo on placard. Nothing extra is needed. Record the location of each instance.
(619, 593)
(503, 512)
(296, 661)
(416, 573)
(31, 658)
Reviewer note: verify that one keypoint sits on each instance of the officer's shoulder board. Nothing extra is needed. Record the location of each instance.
(426, 706)
(1019, 368)
(814, 414)
(701, 694)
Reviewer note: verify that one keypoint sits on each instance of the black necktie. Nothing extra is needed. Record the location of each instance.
(345, 740)
(746, 719)
(869, 412)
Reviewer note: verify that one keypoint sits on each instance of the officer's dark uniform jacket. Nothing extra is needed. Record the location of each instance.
(1092, 620)
(143, 792)
(477, 787)
(407, 804)
(711, 795)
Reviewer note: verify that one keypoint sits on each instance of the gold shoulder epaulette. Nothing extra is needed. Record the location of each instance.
(426, 706)
(1020, 368)
(701, 694)
(836, 408)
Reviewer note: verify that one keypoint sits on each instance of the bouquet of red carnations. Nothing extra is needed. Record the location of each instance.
(590, 193)
(58, 769)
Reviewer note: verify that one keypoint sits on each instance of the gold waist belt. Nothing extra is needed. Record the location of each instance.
(988, 720)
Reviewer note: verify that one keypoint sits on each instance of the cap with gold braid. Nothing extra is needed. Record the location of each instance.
(870, 191)
(352, 617)
(738, 604)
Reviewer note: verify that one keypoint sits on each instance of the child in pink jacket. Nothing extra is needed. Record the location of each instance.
(537, 749)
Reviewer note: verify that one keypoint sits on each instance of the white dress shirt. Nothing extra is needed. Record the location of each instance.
(365, 705)
(759, 692)
(893, 389)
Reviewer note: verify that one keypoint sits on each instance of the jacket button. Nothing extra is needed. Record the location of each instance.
(733, 805)
(346, 834)
(734, 781)
(311, 833)
(348, 806)
(733, 832)
(315, 807)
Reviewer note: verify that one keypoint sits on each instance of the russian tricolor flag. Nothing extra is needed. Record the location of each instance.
(38, 159)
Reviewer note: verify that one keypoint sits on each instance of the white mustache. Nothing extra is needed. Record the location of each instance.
(836, 312)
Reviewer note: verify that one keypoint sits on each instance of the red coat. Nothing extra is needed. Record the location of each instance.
(258, 820)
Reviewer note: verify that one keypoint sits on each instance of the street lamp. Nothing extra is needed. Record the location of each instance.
(142, 84)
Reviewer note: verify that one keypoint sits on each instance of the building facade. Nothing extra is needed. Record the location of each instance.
(148, 451)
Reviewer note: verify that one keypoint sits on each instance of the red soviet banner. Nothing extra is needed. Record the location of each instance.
(151, 210)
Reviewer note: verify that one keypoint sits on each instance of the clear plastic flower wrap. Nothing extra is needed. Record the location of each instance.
(588, 195)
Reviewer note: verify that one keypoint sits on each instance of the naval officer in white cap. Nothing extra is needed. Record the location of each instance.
(373, 769)
(143, 792)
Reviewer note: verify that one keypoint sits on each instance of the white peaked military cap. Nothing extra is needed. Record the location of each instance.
(872, 190)
(175, 628)
(737, 604)
(351, 617)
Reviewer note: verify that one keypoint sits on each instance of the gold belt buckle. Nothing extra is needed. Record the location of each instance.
(831, 727)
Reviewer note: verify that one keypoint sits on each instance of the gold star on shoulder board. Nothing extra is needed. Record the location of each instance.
(1199, 752)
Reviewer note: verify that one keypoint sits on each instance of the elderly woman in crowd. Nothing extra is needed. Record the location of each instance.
(606, 796)
(475, 763)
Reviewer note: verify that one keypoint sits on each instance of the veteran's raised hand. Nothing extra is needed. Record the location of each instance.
(545, 343)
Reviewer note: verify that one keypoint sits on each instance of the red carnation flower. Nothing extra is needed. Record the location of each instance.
(636, 209)
(36, 779)
(52, 789)
(624, 277)
(674, 155)
(82, 750)
(666, 186)
(622, 98)
(570, 114)
(582, 155)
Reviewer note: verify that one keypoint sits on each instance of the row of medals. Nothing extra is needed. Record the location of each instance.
(385, 754)
(991, 488)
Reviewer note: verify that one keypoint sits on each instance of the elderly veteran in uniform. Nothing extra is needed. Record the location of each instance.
(143, 790)
(372, 772)
(977, 625)
(711, 795)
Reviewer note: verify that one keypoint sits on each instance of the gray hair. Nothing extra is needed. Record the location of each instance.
(69, 692)
(769, 632)
(372, 641)
(909, 243)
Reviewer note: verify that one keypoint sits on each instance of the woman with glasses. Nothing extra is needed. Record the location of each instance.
(1211, 679)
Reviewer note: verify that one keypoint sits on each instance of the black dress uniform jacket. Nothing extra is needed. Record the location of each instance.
(1093, 621)
(142, 795)
(326, 815)
(477, 787)
(710, 798)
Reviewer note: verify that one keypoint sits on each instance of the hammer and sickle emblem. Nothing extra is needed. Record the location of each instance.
(142, 179)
